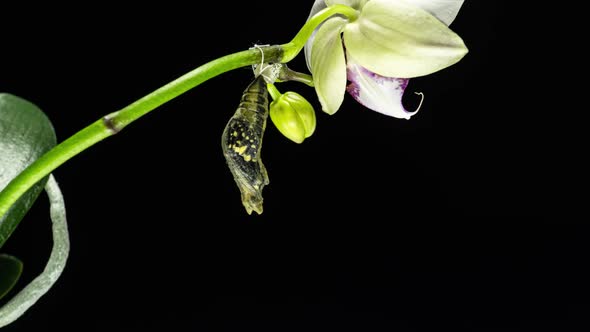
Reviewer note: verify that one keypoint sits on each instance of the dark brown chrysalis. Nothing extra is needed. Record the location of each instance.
(241, 142)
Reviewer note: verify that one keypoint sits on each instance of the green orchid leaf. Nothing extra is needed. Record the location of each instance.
(397, 39)
(10, 270)
(328, 65)
(29, 295)
(25, 134)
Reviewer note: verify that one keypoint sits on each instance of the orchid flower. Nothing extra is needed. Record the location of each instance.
(389, 42)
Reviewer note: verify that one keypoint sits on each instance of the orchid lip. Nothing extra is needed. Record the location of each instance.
(378, 93)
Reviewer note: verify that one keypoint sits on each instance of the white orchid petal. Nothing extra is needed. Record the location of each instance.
(444, 10)
(322, 4)
(378, 93)
(356, 4)
(328, 65)
(307, 50)
(317, 6)
(396, 39)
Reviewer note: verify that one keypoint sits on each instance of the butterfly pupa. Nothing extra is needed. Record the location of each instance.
(242, 141)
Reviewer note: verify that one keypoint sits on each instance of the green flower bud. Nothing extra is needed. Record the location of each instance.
(292, 114)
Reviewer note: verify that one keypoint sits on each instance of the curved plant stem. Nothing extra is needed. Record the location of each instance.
(115, 122)
(298, 42)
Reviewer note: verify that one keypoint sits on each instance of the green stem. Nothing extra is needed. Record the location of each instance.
(115, 122)
(190, 80)
(287, 74)
(273, 91)
(294, 46)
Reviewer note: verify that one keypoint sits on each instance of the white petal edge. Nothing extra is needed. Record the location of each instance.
(444, 10)
(378, 93)
(317, 6)
(356, 4)
(328, 65)
(396, 39)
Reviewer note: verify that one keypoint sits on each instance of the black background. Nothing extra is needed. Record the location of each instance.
(455, 219)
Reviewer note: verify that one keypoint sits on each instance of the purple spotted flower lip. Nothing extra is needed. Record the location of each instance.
(379, 93)
(388, 43)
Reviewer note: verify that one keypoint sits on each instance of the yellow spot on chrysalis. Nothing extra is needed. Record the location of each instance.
(240, 150)
(235, 133)
(247, 157)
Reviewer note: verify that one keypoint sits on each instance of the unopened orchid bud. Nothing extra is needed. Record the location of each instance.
(292, 114)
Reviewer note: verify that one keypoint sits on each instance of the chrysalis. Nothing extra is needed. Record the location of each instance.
(241, 142)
